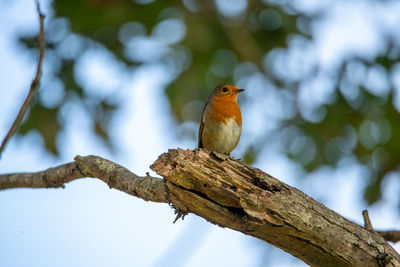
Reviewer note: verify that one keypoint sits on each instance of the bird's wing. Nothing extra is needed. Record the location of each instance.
(202, 122)
(205, 113)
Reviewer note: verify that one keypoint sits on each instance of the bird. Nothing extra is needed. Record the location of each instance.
(221, 120)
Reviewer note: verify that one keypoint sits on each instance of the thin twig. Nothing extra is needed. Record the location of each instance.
(392, 236)
(35, 83)
(367, 221)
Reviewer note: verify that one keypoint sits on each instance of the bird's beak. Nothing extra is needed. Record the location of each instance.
(239, 90)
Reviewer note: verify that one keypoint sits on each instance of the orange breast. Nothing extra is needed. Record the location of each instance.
(224, 108)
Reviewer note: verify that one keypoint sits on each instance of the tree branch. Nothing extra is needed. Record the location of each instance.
(147, 187)
(232, 194)
(392, 236)
(34, 85)
(367, 221)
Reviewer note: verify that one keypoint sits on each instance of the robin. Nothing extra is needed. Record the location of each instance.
(221, 120)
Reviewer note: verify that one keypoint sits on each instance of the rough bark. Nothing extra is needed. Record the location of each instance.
(232, 194)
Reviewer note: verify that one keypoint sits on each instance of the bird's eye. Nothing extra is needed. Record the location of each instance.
(224, 89)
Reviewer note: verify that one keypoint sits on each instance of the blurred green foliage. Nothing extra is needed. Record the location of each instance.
(202, 47)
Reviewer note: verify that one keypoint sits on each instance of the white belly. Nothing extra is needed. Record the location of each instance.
(221, 137)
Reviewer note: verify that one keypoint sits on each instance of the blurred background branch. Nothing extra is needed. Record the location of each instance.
(41, 42)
